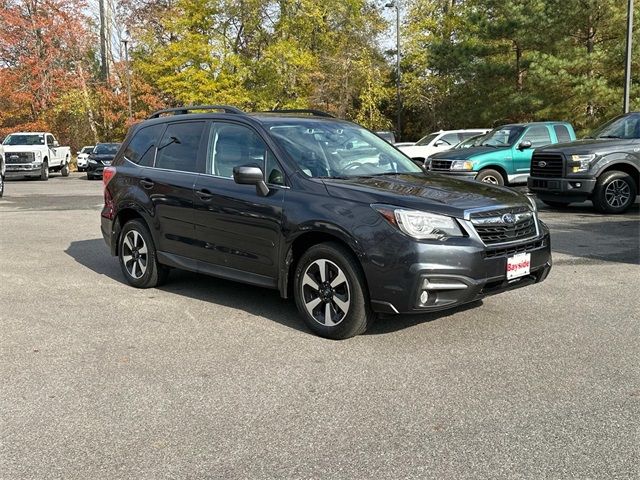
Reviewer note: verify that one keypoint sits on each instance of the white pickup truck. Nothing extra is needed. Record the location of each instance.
(35, 154)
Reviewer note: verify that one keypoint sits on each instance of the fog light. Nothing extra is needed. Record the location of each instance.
(424, 297)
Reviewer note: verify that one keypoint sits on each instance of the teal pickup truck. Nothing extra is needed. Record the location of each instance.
(504, 154)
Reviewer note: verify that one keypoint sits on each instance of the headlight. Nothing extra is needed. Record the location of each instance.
(38, 155)
(581, 163)
(420, 225)
(91, 160)
(461, 165)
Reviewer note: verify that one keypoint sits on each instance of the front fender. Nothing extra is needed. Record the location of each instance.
(621, 158)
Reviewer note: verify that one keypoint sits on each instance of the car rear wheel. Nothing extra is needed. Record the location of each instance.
(615, 192)
(330, 292)
(138, 258)
(44, 172)
(488, 175)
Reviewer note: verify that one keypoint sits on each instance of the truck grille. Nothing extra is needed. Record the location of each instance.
(440, 165)
(549, 165)
(18, 157)
(505, 225)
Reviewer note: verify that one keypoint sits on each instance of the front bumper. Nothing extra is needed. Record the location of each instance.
(549, 188)
(458, 271)
(81, 163)
(17, 170)
(456, 173)
(95, 169)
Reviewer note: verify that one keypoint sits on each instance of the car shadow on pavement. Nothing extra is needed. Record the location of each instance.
(258, 301)
(589, 236)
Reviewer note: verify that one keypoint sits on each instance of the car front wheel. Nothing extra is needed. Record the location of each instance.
(44, 172)
(138, 258)
(615, 192)
(330, 292)
(488, 175)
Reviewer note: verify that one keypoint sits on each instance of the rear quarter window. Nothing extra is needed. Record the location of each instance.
(142, 147)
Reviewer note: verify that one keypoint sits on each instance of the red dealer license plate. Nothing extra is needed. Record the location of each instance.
(518, 265)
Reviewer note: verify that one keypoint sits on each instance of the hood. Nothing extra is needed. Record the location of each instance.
(22, 148)
(416, 149)
(424, 191)
(102, 157)
(589, 145)
(466, 153)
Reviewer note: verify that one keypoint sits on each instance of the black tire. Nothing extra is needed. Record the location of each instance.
(556, 204)
(615, 192)
(135, 237)
(351, 291)
(65, 169)
(491, 176)
(44, 172)
(1, 185)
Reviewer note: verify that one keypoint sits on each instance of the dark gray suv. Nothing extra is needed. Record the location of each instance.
(321, 209)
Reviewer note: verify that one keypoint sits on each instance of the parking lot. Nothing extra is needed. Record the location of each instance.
(205, 378)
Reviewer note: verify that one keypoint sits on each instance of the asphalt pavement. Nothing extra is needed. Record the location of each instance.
(205, 378)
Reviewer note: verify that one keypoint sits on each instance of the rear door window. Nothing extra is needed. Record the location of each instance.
(562, 133)
(449, 139)
(142, 147)
(179, 147)
(538, 135)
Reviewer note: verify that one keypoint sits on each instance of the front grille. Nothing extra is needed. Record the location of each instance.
(521, 248)
(505, 225)
(440, 164)
(19, 157)
(547, 165)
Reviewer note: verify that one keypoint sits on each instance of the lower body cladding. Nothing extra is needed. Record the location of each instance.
(575, 189)
(23, 170)
(438, 276)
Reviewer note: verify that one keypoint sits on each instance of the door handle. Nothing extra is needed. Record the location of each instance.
(204, 195)
(146, 183)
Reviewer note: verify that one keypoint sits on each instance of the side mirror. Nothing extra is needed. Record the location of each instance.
(524, 145)
(56, 144)
(247, 175)
(439, 143)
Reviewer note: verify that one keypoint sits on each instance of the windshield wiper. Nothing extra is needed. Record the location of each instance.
(609, 136)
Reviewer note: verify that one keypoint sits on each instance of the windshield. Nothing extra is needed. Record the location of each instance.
(502, 136)
(30, 139)
(470, 142)
(106, 149)
(427, 140)
(86, 150)
(624, 126)
(331, 149)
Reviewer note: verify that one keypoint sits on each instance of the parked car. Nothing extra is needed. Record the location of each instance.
(35, 154)
(505, 154)
(604, 168)
(83, 156)
(280, 201)
(2, 171)
(437, 142)
(388, 136)
(101, 156)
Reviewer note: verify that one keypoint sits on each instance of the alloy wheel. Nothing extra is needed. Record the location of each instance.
(617, 193)
(135, 254)
(491, 179)
(325, 292)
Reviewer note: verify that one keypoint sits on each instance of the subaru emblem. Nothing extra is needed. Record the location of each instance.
(542, 164)
(508, 218)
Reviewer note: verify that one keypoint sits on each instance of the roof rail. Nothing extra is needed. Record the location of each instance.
(191, 108)
(316, 113)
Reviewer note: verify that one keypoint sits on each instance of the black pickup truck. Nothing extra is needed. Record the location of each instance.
(603, 168)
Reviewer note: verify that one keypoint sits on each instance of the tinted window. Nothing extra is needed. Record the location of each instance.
(50, 140)
(236, 145)
(503, 136)
(626, 126)
(178, 149)
(562, 133)
(427, 140)
(142, 148)
(538, 136)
